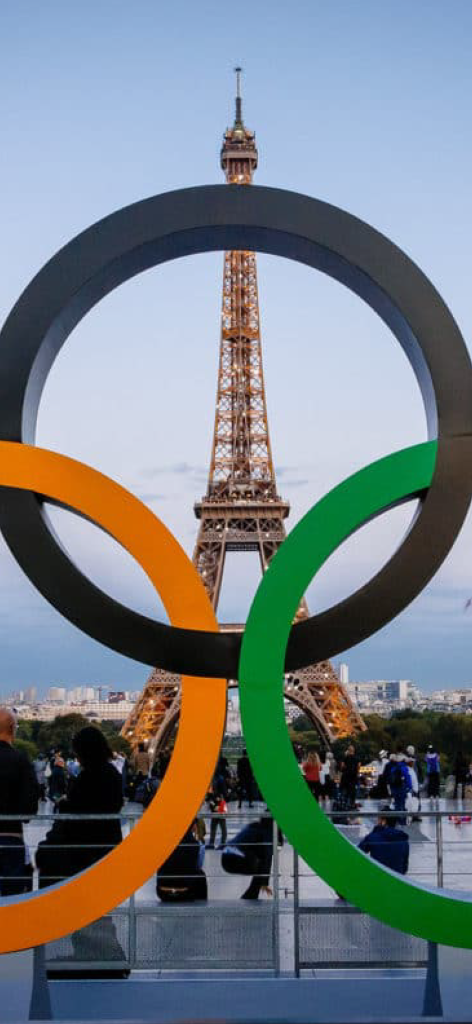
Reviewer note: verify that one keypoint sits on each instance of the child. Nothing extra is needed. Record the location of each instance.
(218, 806)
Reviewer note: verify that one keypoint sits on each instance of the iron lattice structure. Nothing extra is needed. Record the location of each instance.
(241, 510)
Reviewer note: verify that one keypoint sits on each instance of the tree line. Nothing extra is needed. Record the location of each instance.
(36, 737)
(448, 733)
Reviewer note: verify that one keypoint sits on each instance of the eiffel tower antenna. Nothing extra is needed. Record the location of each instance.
(239, 110)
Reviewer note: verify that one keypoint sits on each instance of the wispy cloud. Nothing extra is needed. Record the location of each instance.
(295, 483)
(173, 469)
(152, 496)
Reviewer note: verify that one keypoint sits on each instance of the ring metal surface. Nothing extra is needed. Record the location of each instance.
(285, 224)
(444, 917)
(34, 919)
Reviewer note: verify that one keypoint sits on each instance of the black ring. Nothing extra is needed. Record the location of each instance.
(283, 224)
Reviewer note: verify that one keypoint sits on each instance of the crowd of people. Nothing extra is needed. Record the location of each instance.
(401, 777)
(91, 780)
(87, 783)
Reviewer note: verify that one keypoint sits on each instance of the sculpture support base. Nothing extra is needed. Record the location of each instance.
(24, 987)
(455, 982)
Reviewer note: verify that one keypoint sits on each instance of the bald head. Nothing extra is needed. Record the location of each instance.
(7, 725)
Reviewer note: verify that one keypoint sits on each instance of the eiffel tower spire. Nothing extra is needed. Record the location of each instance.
(238, 120)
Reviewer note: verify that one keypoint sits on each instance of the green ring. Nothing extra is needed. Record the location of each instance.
(418, 910)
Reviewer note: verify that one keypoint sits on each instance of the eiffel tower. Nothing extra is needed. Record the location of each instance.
(241, 510)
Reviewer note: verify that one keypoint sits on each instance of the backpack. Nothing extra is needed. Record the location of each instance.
(397, 777)
(146, 791)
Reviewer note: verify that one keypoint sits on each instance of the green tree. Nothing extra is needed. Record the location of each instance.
(26, 747)
(302, 724)
(115, 740)
(59, 733)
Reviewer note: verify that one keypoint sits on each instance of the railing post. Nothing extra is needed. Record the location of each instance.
(439, 851)
(432, 1002)
(276, 901)
(296, 913)
(132, 922)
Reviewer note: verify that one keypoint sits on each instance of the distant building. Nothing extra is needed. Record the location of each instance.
(57, 694)
(344, 673)
(95, 710)
(88, 693)
(453, 700)
(31, 695)
(396, 693)
(233, 719)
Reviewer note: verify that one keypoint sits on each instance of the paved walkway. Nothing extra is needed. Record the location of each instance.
(456, 844)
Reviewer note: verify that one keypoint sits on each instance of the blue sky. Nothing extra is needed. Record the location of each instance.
(363, 105)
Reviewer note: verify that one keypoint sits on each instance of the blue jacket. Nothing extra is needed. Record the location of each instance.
(405, 784)
(388, 846)
(432, 763)
(256, 839)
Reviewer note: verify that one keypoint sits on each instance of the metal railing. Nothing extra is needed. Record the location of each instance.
(305, 926)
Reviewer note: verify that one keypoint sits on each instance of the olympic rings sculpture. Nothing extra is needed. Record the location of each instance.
(438, 473)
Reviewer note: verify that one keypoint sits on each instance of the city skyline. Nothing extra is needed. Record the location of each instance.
(60, 691)
(339, 391)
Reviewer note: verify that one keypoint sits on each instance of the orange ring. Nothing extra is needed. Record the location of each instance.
(33, 919)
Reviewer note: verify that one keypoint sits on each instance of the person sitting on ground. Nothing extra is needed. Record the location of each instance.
(181, 879)
(387, 844)
(250, 853)
(71, 846)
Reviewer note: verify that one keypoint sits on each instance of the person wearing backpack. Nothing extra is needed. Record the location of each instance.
(399, 781)
(433, 768)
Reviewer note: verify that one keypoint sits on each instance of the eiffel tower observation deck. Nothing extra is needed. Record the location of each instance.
(241, 509)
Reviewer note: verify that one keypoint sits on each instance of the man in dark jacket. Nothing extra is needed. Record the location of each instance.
(399, 781)
(19, 793)
(349, 774)
(246, 783)
(388, 844)
(250, 853)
